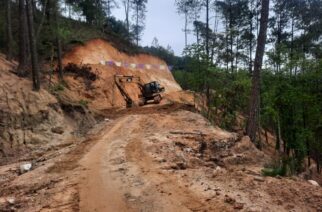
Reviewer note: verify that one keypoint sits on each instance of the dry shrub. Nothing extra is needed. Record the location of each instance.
(83, 71)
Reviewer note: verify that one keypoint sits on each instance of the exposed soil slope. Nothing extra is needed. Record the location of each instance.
(104, 94)
(28, 120)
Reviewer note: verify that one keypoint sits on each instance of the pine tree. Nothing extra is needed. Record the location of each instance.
(139, 7)
(33, 48)
(58, 41)
(127, 10)
(9, 31)
(254, 104)
(23, 36)
(191, 11)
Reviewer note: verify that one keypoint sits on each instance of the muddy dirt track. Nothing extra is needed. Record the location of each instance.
(162, 159)
(121, 176)
(159, 158)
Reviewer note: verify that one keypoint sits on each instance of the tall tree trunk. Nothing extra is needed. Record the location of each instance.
(137, 25)
(58, 45)
(207, 29)
(231, 53)
(257, 17)
(23, 36)
(96, 14)
(278, 46)
(127, 5)
(306, 139)
(227, 47)
(43, 17)
(236, 55)
(33, 48)
(292, 46)
(250, 65)
(231, 41)
(197, 36)
(9, 32)
(279, 142)
(186, 29)
(254, 104)
(108, 12)
(212, 51)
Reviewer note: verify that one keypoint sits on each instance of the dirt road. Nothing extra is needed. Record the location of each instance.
(164, 161)
(121, 176)
(163, 158)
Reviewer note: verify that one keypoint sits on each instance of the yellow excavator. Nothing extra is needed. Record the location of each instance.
(150, 92)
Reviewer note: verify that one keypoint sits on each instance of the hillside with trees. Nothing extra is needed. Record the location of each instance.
(285, 92)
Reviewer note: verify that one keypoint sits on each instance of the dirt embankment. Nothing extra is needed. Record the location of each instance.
(32, 123)
(103, 93)
(28, 119)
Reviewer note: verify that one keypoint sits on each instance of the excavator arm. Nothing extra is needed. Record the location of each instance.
(120, 79)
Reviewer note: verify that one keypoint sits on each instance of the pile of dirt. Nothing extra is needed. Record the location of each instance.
(29, 120)
(219, 167)
(103, 93)
(206, 148)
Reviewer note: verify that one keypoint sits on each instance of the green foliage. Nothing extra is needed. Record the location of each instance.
(281, 167)
(139, 10)
(56, 88)
(165, 54)
(118, 28)
(229, 93)
(273, 172)
(295, 102)
(291, 105)
(84, 102)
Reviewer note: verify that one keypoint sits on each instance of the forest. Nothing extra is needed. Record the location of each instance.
(222, 59)
(257, 59)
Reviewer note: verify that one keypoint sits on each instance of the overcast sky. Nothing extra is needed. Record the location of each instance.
(162, 22)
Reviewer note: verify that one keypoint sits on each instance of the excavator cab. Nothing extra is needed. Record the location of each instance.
(151, 88)
(151, 91)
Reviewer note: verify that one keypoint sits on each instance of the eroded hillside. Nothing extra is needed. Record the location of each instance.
(30, 122)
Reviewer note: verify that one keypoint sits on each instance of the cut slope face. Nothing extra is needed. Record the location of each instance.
(27, 118)
(104, 93)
